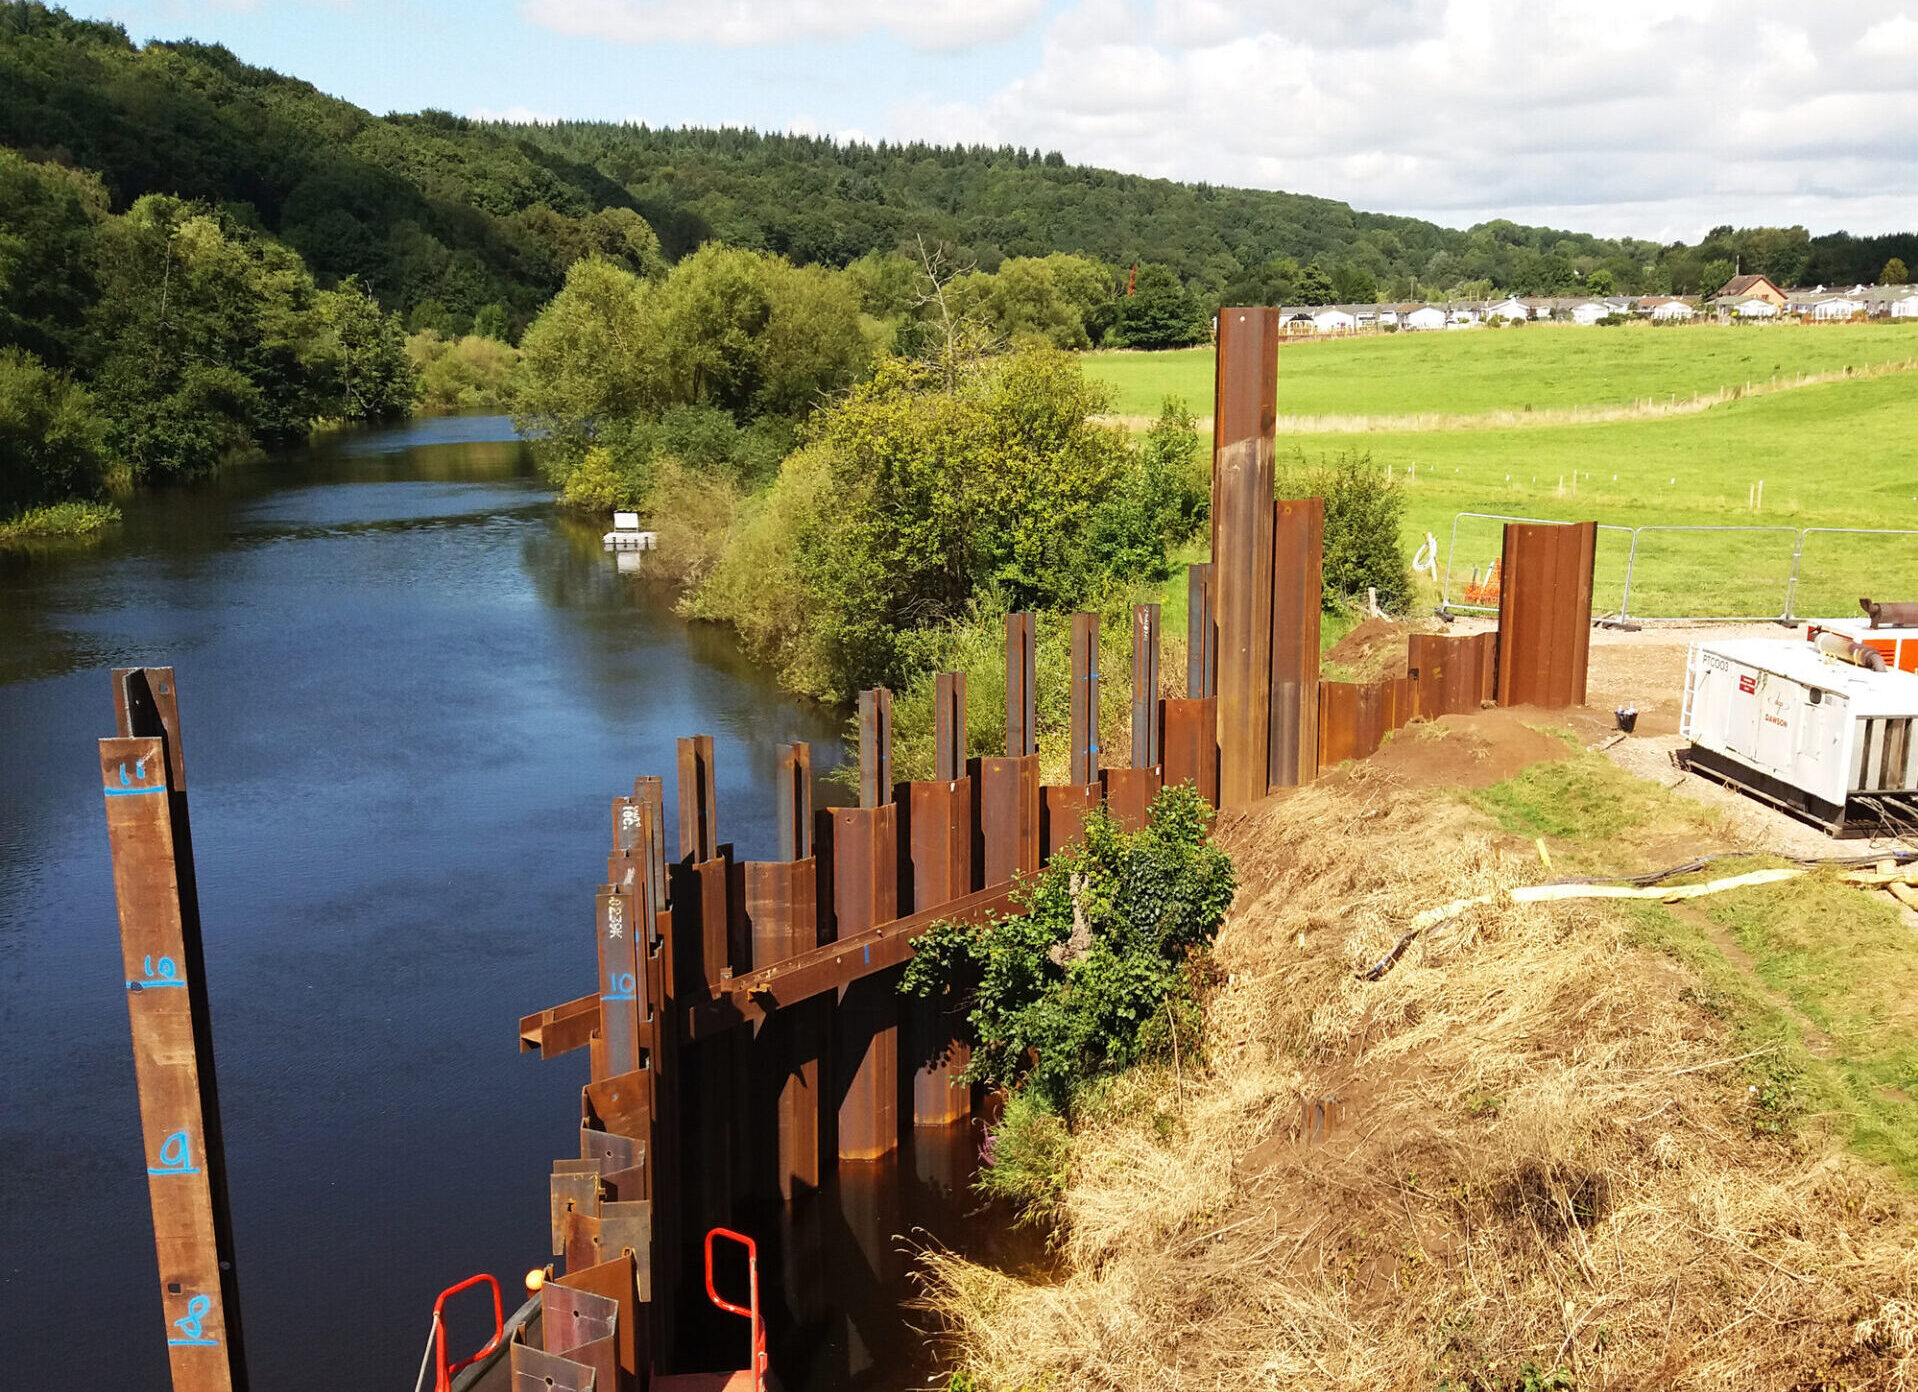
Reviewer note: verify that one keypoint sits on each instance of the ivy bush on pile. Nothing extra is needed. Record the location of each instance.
(1051, 1010)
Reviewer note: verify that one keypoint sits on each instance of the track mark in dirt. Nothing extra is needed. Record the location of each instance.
(1816, 1040)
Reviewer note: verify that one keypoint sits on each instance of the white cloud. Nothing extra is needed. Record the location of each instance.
(925, 24)
(513, 115)
(1651, 117)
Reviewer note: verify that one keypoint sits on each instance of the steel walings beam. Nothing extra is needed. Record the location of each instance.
(1145, 686)
(865, 1052)
(143, 776)
(1545, 613)
(939, 840)
(1189, 743)
(1202, 635)
(1298, 536)
(1022, 692)
(1244, 412)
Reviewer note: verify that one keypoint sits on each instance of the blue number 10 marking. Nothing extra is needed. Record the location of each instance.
(623, 988)
(165, 972)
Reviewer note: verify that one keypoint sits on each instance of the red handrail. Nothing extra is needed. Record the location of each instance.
(444, 1381)
(758, 1366)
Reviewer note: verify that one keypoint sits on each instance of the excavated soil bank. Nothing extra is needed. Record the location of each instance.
(1529, 1143)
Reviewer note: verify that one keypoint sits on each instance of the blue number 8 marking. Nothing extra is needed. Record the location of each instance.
(193, 1327)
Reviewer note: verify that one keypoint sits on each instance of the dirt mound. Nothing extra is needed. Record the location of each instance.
(1373, 650)
(1527, 1147)
(1470, 751)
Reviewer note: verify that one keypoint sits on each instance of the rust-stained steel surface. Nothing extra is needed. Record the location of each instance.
(1145, 686)
(650, 793)
(561, 1029)
(756, 995)
(1545, 613)
(792, 808)
(536, 1370)
(1202, 635)
(1451, 676)
(1022, 693)
(1063, 816)
(1355, 717)
(622, 1001)
(583, 1326)
(1085, 698)
(1242, 515)
(1009, 813)
(613, 1281)
(939, 821)
(949, 726)
(1129, 793)
(1189, 745)
(143, 776)
(875, 747)
(865, 1054)
(698, 815)
(1298, 532)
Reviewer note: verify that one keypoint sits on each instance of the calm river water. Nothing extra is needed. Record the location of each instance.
(408, 691)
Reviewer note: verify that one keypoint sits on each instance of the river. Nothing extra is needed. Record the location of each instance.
(408, 691)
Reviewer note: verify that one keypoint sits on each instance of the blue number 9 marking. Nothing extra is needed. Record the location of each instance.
(174, 1157)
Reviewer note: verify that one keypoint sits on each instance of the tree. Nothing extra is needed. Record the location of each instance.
(1315, 287)
(1715, 276)
(1599, 282)
(375, 379)
(1159, 313)
(1894, 273)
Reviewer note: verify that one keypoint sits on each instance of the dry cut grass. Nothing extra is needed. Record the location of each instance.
(1525, 1150)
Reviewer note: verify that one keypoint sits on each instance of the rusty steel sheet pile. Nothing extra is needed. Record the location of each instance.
(143, 779)
(1451, 676)
(1245, 408)
(1545, 613)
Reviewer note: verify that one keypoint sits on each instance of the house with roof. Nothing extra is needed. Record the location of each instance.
(1511, 307)
(1332, 319)
(1902, 305)
(1425, 317)
(1831, 308)
(1745, 287)
(1746, 307)
(1671, 312)
(1589, 312)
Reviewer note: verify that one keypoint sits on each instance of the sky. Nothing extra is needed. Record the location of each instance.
(1649, 118)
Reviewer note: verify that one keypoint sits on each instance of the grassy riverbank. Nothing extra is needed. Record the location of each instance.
(57, 520)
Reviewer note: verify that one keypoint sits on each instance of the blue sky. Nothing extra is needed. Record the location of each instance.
(1656, 118)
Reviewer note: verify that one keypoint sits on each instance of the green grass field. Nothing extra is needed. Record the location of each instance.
(1839, 454)
(1538, 367)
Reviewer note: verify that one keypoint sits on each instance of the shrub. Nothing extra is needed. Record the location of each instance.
(1027, 1158)
(50, 436)
(1065, 991)
(1364, 507)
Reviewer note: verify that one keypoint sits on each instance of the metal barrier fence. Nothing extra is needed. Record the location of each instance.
(1706, 574)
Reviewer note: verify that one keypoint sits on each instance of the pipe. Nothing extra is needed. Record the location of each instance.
(1851, 650)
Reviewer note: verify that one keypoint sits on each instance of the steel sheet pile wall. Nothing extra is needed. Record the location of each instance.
(1452, 676)
(1355, 717)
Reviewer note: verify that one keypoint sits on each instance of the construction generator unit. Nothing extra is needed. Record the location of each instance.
(1816, 727)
